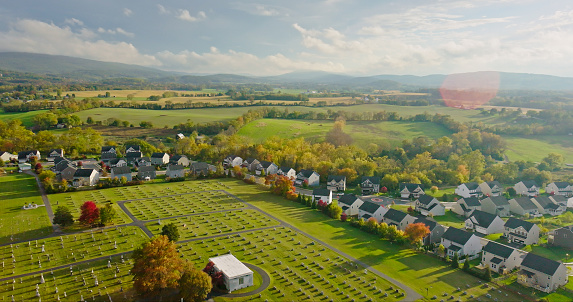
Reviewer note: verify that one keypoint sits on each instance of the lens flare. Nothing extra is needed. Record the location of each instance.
(469, 90)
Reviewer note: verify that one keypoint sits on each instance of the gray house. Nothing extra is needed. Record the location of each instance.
(268, 167)
(307, 176)
(398, 218)
(410, 190)
(201, 168)
(370, 185)
(436, 230)
(108, 153)
(468, 189)
(175, 171)
(546, 205)
(541, 273)
(145, 172)
(336, 183)
(286, 171)
(521, 231)
(527, 188)
(181, 160)
(429, 205)
(559, 188)
(159, 158)
(350, 204)
(119, 172)
(497, 205)
(562, 237)
(55, 153)
(465, 206)
(491, 188)
(500, 258)
(251, 164)
(522, 206)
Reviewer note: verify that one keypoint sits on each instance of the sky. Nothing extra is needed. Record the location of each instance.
(265, 37)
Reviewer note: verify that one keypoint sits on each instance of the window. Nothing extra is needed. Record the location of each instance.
(241, 281)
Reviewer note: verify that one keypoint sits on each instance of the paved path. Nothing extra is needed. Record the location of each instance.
(46, 201)
(264, 284)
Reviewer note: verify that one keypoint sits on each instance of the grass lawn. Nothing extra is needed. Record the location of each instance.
(441, 192)
(450, 219)
(535, 148)
(557, 296)
(27, 118)
(16, 223)
(257, 282)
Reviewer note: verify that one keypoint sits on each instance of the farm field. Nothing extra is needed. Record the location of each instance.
(536, 148)
(27, 118)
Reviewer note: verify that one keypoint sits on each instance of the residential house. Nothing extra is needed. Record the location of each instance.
(322, 194)
(369, 209)
(484, 223)
(491, 188)
(461, 242)
(522, 206)
(232, 161)
(175, 171)
(541, 273)
(25, 156)
(546, 205)
(288, 172)
(497, 205)
(559, 188)
(119, 172)
(436, 230)
(236, 275)
(108, 153)
(24, 167)
(336, 183)
(85, 177)
(561, 200)
(350, 204)
(409, 190)
(68, 173)
(181, 160)
(201, 168)
(55, 153)
(398, 218)
(427, 205)
(143, 162)
(309, 177)
(370, 185)
(562, 237)
(146, 172)
(500, 258)
(61, 164)
(7, 156)
(179, 136)
(465, 206)
(132, 149)
(132, 157)
(89, 165)
(159, 158)
(521, 231)
(268, 167)
(250, 163)
(117, 162)
(527, 188)
(469, 189)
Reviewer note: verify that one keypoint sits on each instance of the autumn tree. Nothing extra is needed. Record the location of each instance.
(337, 136)
(89, 213)
(63, 216)
(157, 266)
(194, 284)
(106, 214)
(282, 185)
(170, 230)
(416, 232)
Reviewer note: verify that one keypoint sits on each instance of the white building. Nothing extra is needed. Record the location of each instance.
(468, 189)
(322, 194)
(236, 274)
(500, 258)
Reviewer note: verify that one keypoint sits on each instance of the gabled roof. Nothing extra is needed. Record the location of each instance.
(541, 264)
(59, 151)
(231, 157)
(471, 201)
(528, 183)
(106, 149)
(373, 179)
(265, 164)
(250, 160)
(458, 236)
(336, 178)
(136, 148)
(482, 218)
(369, 207)
(106, 155)
(321, 192)
(63, 164)
(514, 223)
(431, 224)
(147, 168)
(83, 172)
(498, 201)
(121, 170)
(559, 198)
(230, 266)
(425, 199)
(561, 184)
(471, 185)
(175, 167)
(134, 154)
(306, 173)
(395, 215)
(497, 249)
(525, 203)
(115, 161)
(200, 165)
(57, 159)
(176, 158)
(25, 154)
(285, 170)
(492, 184)
(348, 199)
(545, 202)
(411, 187)
(158, 155)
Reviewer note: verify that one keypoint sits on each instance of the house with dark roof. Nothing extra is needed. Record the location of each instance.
(108, 153)
(497, 205)
(491, 188)
(132, 157)
(501, 258)
(311, 178)
(85, 177)
(55, 153)
(61, 164)
(68, 173)
(561, 200)
(287, 171)
(461, 242)
(369, 209)
(147, 173)
(409, 190)
(436, 230)
(562, 237)
(370, 185)
(25, 156)
(132, 149)
(521, 231)
(250, 163)
(350, 204)
(142, 162)
(469, 189)
(527, 188)
(267, 167)
(336, 183)
(175, 171)
(159, 158)
(559, 188)
(546, 205)
(181, 160)
(428, 205)
(523, 206)
(232, 161)
(322, 194)
(119, 172)
(465, 206)
(7, 156)
(541, 273)
(398, 218)
(117, 162)
(201, 168)
(484, 223)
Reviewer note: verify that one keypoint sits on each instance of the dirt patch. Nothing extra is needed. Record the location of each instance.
(261, 124)
(128, 132)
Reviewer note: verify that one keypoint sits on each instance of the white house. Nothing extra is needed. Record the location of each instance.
(527, 188)
(427, 205)
(500, 258)
(159, 158)
(350, 204)
(559, 188)
(541, 273)
(108, 153)
(25, 156)
(370, 185)
(461, 242)
(408, 190)
(465, 206)
(398, 218)
(250, 163)
(497, 205)
(522, 206)
(85, 177)
(55, 153)
(119, 172)
(547, 206)
(484, 223)
(336, 183)
(236, 274)
(288, 172)
(369, 209)
(468, 189)
(309, 177)
(117, 162)
(322, 194)
(268, 167)
(181, 160)
(521, 231)
(232, 161)
(491, 188)
(6, 156)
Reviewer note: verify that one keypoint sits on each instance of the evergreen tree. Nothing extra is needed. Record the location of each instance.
(487, 274)
(467, 264)
(455, 263)
(63, 216)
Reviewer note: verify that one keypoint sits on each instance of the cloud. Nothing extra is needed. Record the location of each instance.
(74, 21)
(118, 30)
(36, 36)
(261, 10)
(162, 9)
(127, 12)
(185, 15)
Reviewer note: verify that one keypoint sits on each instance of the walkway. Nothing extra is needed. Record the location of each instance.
(46, 201)
(266, 282)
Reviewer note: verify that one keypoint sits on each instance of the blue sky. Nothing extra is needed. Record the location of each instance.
(273, 37)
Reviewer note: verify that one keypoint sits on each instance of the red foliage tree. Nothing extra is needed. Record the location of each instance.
(38, 168)
(209, 268)
(282, 186)
(89, 213)
(343, 217)
(218, 279)
(384, 190)
(410, 210)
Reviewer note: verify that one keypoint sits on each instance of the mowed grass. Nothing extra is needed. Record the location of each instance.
(27, 118)
(16, 223)
(536, 148)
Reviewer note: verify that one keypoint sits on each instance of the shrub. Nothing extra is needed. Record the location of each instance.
(343, 217)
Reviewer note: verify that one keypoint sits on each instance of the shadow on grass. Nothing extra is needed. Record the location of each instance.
(27, 235)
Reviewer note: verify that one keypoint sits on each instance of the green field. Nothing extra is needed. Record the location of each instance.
(27, 118)
(535, 148)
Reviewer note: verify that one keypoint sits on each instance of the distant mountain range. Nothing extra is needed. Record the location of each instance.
(91, 70)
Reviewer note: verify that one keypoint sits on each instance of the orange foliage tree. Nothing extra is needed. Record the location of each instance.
(416, 232)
